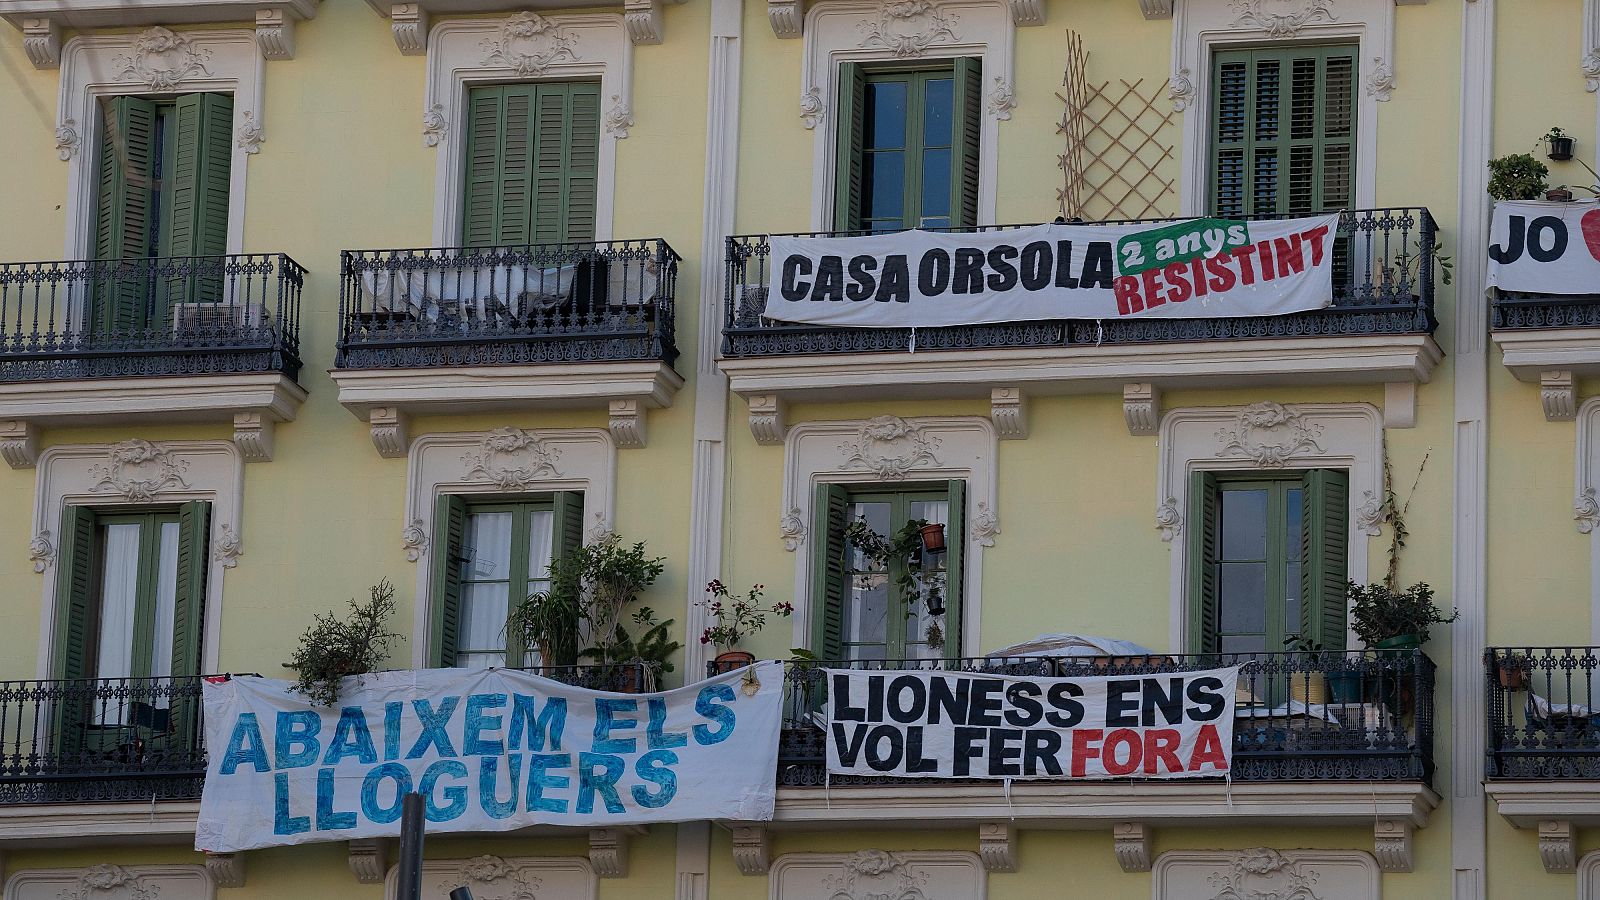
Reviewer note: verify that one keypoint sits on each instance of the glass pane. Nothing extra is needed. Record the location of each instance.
(866, 618)
(938, 112)
(1244, 524)
(876, 515)
(1294, 500)
(541, 547)
(1244, 597)
(119, 587)
(886, 115)
(883, 181)
(935, 187)
(166, 602)
(488, 549)
(1291, 600)
(1243, 643)
(481, 640)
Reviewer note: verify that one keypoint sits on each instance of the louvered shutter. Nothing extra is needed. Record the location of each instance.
(968, 119)
(830, 577)
(74, 590)
(485, 169)
(569, 538)
(1204, 542)
(196, 222)
(1283, 131)
(955, 542)
(533, 164)
(449, 531)
(126, 177)
(851, 125)
(188, 620)
(583, 161)
(1325, 571)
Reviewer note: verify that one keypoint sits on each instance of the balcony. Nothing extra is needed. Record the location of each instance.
(1319, 739)
(1550, 341)
(1378, 330)
(1543, 743)
(462, 330)
(164, 339)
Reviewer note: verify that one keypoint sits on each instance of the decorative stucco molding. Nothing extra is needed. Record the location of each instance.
(879, 875)
(787, 17)
(627, 422)
(752, 849)
(42, 551)
(369, 859)
(391, 431)
(1180, 89)
(1263, 435)
(226, 869)
(67, 140)
(1589, 58)
(275, 34)
(114, 882)
(767, 419)
(997, 846)
(608, 849)
(1558, 394)
(41, 40)
(1141, 408)
(1008, 410)
(494, 463)
(409, 24)
(811, 108)
(792, 529)
(1556, 843)
(1003, 95)
(19, 443)
(253, 435)
(503, 878)
(1392, 845)
(907, 28)
(249, 137)
(526, 45)
(136, 473)
(892, 449)
(1265, 872)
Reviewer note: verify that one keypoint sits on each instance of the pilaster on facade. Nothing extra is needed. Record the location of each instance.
(226, 869)
(41, 21)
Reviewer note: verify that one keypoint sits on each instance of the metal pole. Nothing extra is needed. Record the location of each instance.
(412, 828)
(461, 893)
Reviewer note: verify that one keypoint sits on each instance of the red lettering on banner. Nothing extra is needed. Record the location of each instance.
(1291, 256)
(1247, 267)
(1208, 749)
(1177, 278)
(1128, 738)
(1222, 277)
(1161, 748)
(1127, 288)
(1151, 280)
(1316, 236)
(1082, 751)
(1197, 275)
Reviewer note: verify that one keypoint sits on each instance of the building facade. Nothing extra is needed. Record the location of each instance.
(269, 359)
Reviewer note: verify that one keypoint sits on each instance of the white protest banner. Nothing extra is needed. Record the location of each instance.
(1196, 268)
(932, 724)
(1545, 248)
(489, 749)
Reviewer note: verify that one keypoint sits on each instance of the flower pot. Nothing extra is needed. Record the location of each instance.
(1399, 642)
(1512, 678)
(1559, 195)
(1308, 689)
(733, 660)
(1560, 148)
(1344, 687)
(933, 538)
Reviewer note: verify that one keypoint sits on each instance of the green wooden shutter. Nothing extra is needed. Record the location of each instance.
(852, 109)
(955, 542)
(195, 222)
(188, 640)
(968, 120)
(829, 576)
(533, 164)
(568, 538)
(74, 590)
(1204, 543)
(487, 180)
(582, 140)
(1325, 569)
(123, 210)
(1283, 130)
(449, 530)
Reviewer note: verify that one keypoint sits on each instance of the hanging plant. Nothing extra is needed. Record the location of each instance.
(332, 649)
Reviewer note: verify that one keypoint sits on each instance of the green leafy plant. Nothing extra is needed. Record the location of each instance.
(615, 574)
(333, 648)
(549, 621)
(914, 578)
(1407, 264)
(1517, 176)
(1554, 133)
(1378, 612)
(651, 650)
(737, 618)
(589, 586)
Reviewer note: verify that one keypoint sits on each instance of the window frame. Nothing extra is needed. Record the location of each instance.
(521, 507)
(1277, 547)
(900, 499)
(151, 521)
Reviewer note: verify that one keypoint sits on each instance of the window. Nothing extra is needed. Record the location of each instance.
(908, 147)
(492, 556)
(1267, 561)
(1283, 131)
(864, 609)
(532, 163)
(163, 192)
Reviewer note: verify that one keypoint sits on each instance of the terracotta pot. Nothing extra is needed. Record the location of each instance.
(733, 660)
(1558, 194)
(1511, 678)
(933, 538)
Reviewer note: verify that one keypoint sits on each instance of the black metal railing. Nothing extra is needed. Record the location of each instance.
(1521, 309)
(541, 303)
(193, 315)
(1300, 716)
(1382, 284)
(1543, 712)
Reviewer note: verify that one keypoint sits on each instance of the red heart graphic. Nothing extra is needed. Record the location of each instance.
(1591, 231)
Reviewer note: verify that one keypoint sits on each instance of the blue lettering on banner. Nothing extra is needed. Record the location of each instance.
(297, 728)
(539, 778)
(657, 736)
(652, 767)
(282, 822)
(246, 746)
(707, 706)
(327, 818)
(351, 738)
(457, 795)
(473, 742)
(433, 727)
(605, 722)
(488, 796)
(383, 815)
(604, 782)
(552, 720)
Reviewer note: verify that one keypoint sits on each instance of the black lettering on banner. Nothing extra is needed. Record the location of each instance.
(1558, 244)
(1005, 744)
(968, 743)
(874, 698)
(933, 273)
(907, 712)
(1026, 710)
(1061, 697)
(842, 710)
(862, 283)
(984, 708)
(880, 759)
(969, 271)
(1035, 266)
(915, 761)
(1097, 268)
(952, 703)
(895, 285)
(849, 747)
(1207, 692)
(1513, 249)
(793, 267)
(1041, 750)
(830, 279)
(1064, 277)
(1004, 276)
(1169, 701)
(1121, 709)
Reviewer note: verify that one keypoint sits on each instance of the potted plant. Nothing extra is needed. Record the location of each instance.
(614, 574)
(1517, 176)
(1387, 619)
(1512, 671)
(737, 618)
(589, 589)
(909, 554)
(550, 620)
(639, 661)
(1337, 684)
(332, 649)
(1560, 144)
(1558, 194)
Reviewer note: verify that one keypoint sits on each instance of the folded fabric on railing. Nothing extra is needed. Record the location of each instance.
(1072, 645)
(1539, 707)
(1294, 709)
(517, 287)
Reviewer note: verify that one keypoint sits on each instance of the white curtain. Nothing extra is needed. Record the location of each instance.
(485, 592)
(119, 587)
(166, 603)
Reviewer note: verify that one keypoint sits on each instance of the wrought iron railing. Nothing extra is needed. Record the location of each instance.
(1382, 284)
(541, 303)
(1520, 309)
(193, 315)
(1543, 712)
(1300, 716)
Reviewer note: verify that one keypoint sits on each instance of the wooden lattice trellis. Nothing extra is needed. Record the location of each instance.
(1115, 164)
